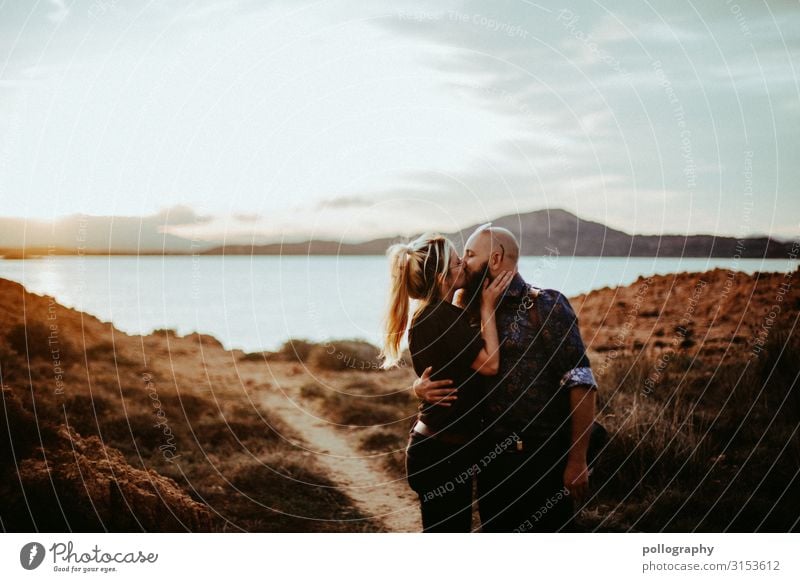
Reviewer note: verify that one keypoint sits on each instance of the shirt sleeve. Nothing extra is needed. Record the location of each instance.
(571, 361)
(461, 343)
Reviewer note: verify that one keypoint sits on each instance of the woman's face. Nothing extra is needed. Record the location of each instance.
(456, 277)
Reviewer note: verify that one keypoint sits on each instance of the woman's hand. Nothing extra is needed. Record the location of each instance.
(492, 291)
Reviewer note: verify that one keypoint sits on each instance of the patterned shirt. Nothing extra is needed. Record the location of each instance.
(539, 363)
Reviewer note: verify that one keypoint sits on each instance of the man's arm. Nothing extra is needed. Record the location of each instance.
(580, 382)
(582, 406)
(434, 391)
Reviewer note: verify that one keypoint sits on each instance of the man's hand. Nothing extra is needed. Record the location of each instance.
(576, 479)
(434, 392)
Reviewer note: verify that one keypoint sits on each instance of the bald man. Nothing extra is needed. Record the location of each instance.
(537, 415)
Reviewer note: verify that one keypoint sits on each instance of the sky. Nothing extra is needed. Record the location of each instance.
(348, 120)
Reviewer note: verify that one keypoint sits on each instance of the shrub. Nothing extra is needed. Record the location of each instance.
(384, 440)
(9, 362)
(84, 413)
(142, 429)
(295, 350)
(186, 405)
(345, 355)
(34, 340)
(105, 352)
(312, 390)
(19, 431)
(235, 434)
(360, 410)
(255, 356)
(165, 331)
(278, 494)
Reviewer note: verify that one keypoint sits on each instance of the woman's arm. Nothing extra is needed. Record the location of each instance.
(487, 363)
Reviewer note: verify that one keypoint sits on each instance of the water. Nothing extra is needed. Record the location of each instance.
(256, 303)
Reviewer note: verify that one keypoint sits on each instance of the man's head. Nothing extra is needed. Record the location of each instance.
(487, 252)
(490, 250)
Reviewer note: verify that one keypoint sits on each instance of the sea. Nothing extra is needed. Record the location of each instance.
(256, 303)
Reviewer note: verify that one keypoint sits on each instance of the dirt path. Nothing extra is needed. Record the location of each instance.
(377, 494)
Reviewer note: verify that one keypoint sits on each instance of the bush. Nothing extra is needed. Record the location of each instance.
(312, 390)
(281, 495)
(166, 332)
(384, 440)
(186, 405)
(139, 432)
(255, 356)
(360, 410)
(19, 432)
(106, 352)
(84, 413)
(345, 355)
(34, 340)
(295, 350)
(9, 362)
(235, 435)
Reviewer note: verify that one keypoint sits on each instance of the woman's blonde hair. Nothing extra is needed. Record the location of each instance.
(418, 271)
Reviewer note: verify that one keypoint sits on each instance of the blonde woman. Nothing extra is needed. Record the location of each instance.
(442, 442)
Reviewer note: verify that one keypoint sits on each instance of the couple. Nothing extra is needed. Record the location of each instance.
(506, 389)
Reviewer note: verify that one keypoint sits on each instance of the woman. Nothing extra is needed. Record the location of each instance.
(442, 442)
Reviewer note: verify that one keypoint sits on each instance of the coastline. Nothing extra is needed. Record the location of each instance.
(222, 440)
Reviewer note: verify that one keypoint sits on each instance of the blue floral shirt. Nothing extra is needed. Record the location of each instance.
(539, 363)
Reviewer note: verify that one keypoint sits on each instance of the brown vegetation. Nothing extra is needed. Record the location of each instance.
(698, 379)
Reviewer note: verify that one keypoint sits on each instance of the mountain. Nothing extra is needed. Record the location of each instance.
(103, 235)
(545, 232)
(542, 232)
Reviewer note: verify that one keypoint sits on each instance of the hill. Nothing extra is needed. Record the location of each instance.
(541, 232)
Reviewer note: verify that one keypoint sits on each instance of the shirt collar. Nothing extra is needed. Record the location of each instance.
(517, 288)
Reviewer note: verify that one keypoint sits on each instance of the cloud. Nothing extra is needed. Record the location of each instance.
(587, 99)
(349, 201)
(14, 83)
(59, 11)
(247, 216)
(468, 110)
(181, 215)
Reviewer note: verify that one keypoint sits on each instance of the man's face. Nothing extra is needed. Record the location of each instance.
(476, 266)
(474, 285)
(476, 255)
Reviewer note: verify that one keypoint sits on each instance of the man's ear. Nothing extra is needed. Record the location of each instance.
(494, 261)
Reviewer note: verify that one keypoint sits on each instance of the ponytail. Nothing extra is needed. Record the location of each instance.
(417, 271)
(396, 318)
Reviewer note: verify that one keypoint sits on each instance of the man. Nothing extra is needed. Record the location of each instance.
(538, 413)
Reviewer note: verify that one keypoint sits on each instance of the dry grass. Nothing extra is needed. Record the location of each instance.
(714, 446)
(225, 453)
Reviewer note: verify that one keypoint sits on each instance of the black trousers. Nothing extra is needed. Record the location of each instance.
(524, 491)
(441, 474)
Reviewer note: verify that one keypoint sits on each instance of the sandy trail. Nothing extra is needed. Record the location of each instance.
(374, 492)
